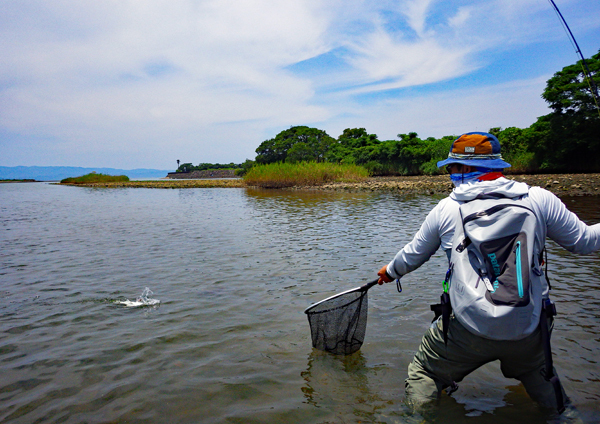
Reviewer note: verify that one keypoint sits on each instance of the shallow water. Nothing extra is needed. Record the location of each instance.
(233, 270)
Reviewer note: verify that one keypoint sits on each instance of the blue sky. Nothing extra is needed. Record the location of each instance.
(141, 83)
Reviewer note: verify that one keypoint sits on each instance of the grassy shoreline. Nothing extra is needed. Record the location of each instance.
(310, 174)
(560, 184)
(94, 178)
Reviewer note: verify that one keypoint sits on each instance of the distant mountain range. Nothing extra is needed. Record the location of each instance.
(56, 173)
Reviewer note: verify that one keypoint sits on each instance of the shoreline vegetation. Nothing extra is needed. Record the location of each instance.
(559, 184)
(304, 174)
(95, 178)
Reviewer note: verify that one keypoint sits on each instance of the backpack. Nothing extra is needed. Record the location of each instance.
(496, 280)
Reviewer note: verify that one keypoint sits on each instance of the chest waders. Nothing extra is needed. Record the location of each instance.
(549, 310)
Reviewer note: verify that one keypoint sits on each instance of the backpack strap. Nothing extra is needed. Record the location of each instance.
(544, 262)
(549, 310)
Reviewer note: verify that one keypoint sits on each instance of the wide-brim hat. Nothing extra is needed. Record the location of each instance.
(476, 149)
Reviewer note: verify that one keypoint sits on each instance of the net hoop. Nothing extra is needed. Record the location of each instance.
(338, 324)
(361, 288)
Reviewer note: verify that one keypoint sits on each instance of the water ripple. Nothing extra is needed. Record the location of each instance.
(233, 270)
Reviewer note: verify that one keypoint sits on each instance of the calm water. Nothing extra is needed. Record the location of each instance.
(234, 269)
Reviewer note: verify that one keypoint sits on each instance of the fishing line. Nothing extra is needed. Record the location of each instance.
(584, 67)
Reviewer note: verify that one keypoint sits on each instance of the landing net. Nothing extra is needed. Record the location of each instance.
(338, 324)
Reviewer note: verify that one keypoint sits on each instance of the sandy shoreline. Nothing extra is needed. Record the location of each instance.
(560, 184)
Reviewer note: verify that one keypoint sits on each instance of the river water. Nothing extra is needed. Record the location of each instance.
(234, 270)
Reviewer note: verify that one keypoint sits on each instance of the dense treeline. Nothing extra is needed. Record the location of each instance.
(565, 140)
(188, 167)
(408, 155)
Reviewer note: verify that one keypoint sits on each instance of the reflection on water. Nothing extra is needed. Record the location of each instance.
(234, 270)
(343, 384)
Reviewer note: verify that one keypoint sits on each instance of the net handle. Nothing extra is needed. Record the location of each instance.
(369, 285)
(363, 288)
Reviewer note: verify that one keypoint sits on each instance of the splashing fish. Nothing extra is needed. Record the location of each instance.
(142, 300)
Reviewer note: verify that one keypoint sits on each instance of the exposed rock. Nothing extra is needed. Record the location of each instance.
(560, 184)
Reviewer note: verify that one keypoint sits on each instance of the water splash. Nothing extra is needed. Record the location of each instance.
(143, 300)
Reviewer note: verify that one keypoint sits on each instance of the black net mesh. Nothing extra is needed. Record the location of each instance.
(338, 324)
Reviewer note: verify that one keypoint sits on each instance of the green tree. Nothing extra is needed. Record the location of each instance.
(516, 144)
(352, 146)
(244, 167)
(300, 152)
(185, 167)
(188, 167)
(316, 143)
(569, 92)
(404, 156)
(355, 138)
(570, 135)
(436, 150)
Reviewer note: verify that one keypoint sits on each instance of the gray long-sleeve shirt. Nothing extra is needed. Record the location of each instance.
(555, 221)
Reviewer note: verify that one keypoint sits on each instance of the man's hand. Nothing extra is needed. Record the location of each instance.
(384, 277)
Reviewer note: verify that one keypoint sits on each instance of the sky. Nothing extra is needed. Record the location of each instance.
(143, 83)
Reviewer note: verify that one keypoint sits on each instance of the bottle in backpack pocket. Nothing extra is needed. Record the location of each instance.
(506, 262)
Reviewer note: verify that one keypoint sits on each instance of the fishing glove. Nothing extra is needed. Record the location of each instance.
(384, 277)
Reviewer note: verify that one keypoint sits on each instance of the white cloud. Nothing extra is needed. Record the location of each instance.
(212, 78)
(407, 64)
(461, 18)
(450, 112)
(226, 60)
(416, 12)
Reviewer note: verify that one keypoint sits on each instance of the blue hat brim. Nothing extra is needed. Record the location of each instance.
(482, 163)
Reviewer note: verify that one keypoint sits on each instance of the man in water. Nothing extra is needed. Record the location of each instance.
(475, 166)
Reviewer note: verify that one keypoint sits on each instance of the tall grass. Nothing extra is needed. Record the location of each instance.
(95, 178)
(280, 175)
(522, 162)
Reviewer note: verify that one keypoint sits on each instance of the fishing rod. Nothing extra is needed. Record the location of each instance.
(586, 70)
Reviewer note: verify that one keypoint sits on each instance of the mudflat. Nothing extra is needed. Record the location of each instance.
(559, 184)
